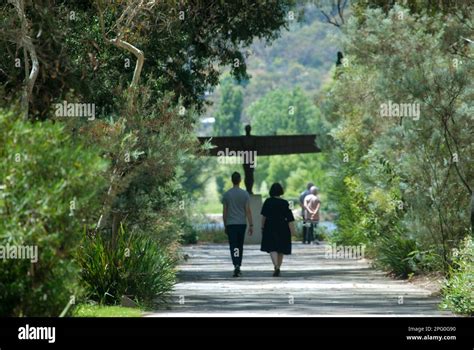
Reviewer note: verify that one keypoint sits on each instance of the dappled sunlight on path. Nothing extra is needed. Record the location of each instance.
(310, 285)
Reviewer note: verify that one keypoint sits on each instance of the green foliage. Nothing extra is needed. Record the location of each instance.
(352, 213)
(415, 6)
(48, 192)
(220, 184)
(284, 112)
(190, 235)
(394, 252)
(131, 264)
(183, 55)
(144, 130)
(151, 189)
(405, 181)
(230, 109)
(458, 291)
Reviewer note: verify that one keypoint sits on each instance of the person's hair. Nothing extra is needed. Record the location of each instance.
(313, 190)
(309, 185)
(236, 178)
(276, 190)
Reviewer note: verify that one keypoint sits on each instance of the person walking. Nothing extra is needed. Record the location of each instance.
(236, 213)
(305, 225)
(277, 227)
(312, 205)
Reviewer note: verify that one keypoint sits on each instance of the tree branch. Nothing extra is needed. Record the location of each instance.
(138, 54)
(27, 44)
(330, 21)
(337, 7)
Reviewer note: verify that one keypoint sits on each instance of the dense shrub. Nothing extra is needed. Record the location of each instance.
(190, 234)
(133, 265)
(45, 174)
(402, 183)
(353, 214)
(394, 254)
(458, 291)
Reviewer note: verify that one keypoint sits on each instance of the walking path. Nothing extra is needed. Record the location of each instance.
(310, 285)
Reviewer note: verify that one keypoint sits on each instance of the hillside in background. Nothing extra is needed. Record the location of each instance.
(301, 57)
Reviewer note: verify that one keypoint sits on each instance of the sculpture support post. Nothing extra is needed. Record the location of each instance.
(255, 208)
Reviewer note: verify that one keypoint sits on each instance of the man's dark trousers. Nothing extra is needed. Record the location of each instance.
(236, 234)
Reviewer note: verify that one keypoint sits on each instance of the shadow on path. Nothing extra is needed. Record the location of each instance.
(310, 285)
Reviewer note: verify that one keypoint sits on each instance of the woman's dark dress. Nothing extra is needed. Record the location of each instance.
(276, 236)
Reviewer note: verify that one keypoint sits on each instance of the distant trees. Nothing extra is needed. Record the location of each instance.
(229, 111)
(284, 111)
(300, 57)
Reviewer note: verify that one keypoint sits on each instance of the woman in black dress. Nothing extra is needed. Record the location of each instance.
(276, 233)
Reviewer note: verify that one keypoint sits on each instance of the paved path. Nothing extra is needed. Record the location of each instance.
(310, 285)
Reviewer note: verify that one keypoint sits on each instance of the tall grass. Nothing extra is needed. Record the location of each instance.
(133, 265)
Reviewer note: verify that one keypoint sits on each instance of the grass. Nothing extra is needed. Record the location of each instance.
(85, 310)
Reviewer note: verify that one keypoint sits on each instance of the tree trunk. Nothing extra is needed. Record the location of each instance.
(472, 214)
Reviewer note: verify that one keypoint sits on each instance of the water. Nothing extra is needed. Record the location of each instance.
(210, 226)
(328, 225)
